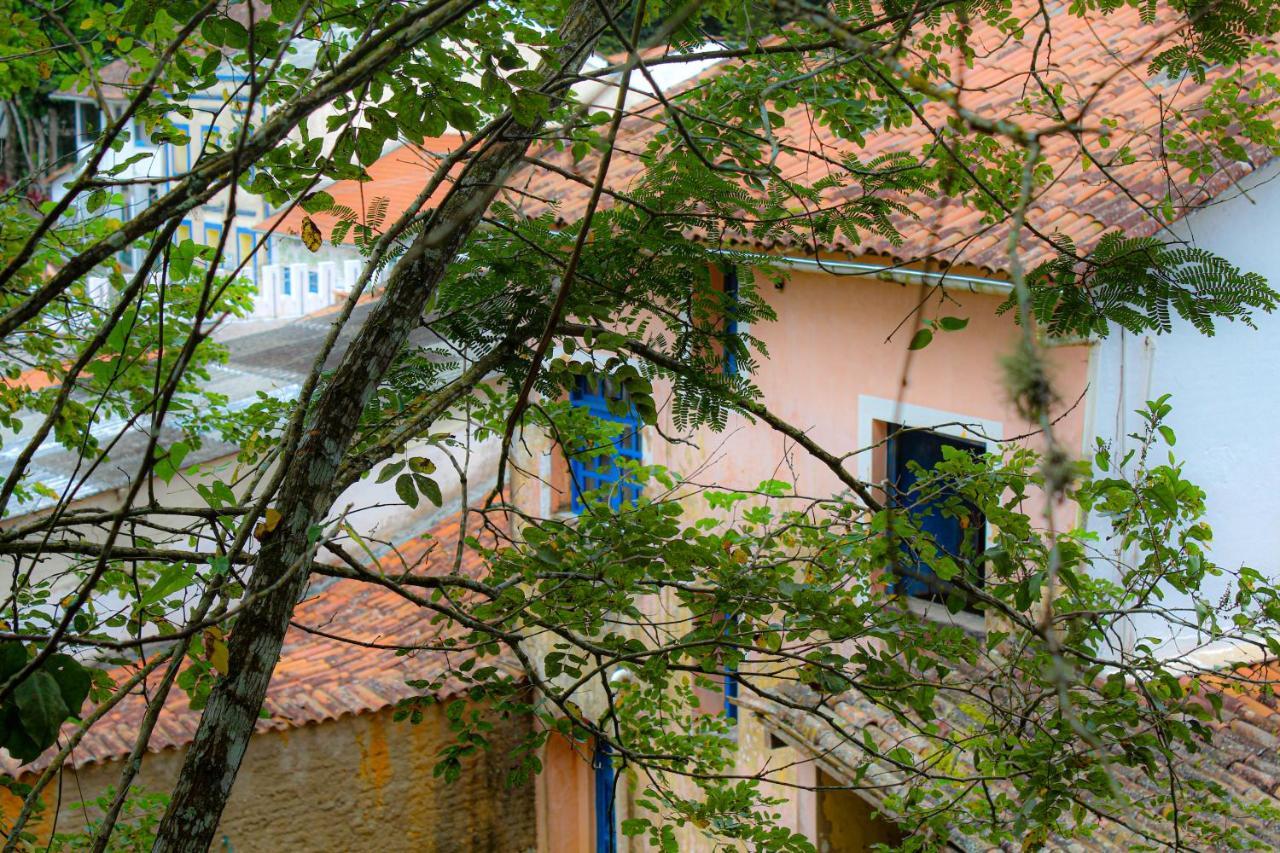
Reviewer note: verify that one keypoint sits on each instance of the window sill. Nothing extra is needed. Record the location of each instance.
(970, 623)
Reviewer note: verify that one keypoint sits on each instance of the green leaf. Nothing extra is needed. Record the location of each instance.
(389, 471)
(406, 490)
(168, 463)
(921, 339)
(1169, 438)
(634, 826)
(14, 738)
(73, 680)
(41, 707)
(13, 657)
(430, 488)
(317, 202)
(368, 146)
(181, 257)
(953, 324)
(172, 579)
(120, 333)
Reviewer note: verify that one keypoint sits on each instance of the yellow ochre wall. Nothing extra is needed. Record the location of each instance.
(359, 783)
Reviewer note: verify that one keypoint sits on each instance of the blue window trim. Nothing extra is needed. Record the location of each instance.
(730, 694)
(313, 281)
(212, 233)
(605, 782)
(286, 280)
(730, 323)
(588, 471)
(191, 230)
(174, 149)
(240, 258)
(207, 132)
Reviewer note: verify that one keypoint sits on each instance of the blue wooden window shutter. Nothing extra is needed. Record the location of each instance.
(924, 448)
(730, 323)
(590, 470)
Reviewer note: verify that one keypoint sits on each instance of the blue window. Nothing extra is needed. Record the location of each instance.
(313, 281)
(958, 534)
(606, 781)
(286, 282)
(730, 323)
(591, 469)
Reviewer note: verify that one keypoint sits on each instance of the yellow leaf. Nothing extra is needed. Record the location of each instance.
(311, 235)
(268, 524)
(45, 70)
(216, 650)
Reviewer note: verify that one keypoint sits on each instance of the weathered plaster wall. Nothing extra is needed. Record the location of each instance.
(1225, 407)
(361, 783)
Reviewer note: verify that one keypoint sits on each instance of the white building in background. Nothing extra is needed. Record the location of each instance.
(296, 289)
(290, 282)
(1226, 403)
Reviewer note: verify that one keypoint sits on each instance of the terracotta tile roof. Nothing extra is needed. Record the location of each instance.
(396, 178)
(1243, 757)
(1079, 203)
(318, 678)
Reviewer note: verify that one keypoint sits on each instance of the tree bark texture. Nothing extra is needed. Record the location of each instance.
(307, 490)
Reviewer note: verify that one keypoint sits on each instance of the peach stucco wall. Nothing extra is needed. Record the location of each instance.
(834, 343)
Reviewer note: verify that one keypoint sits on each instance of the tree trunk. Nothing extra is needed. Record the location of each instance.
(306, 493)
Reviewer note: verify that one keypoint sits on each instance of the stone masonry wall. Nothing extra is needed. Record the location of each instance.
(362, 783)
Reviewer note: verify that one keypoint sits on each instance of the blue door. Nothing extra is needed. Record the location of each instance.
(606, 835)
(925, 449)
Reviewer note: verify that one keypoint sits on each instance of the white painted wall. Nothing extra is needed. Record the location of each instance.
(1226, 404)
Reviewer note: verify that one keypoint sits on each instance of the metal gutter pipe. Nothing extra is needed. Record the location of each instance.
(903, 275)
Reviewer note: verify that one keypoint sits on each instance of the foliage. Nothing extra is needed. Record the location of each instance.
(135, 829)
(52, 693)
(494, 298)
(1141, 284)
